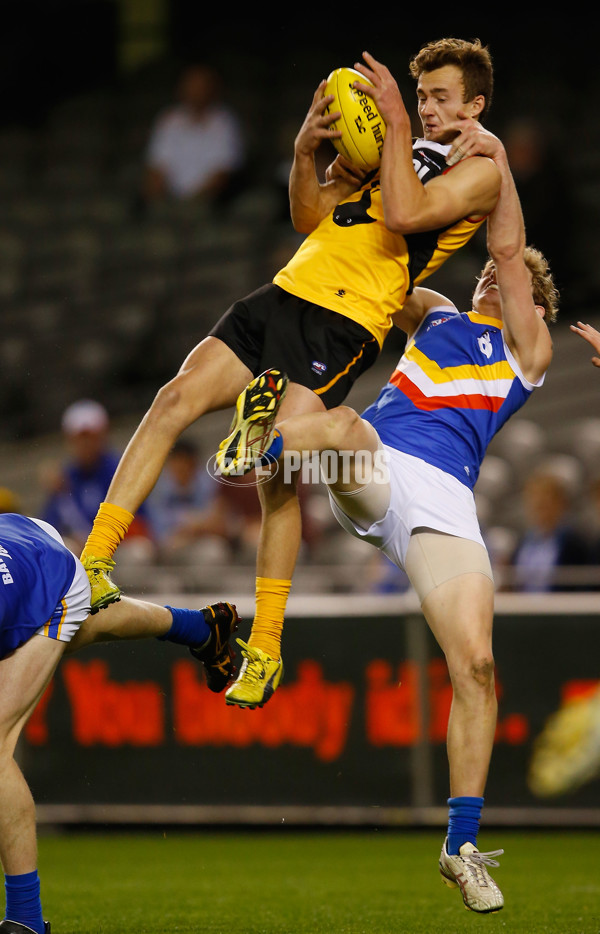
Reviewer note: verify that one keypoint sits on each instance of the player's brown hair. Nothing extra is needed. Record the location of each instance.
(545, 292)
(473, 59)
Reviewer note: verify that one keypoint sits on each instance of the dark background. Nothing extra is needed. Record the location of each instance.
(50, 50)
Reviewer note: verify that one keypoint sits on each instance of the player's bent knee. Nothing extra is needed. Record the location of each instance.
(176, 404)
(167, 399)
(482, 671)
(343, 424)
(473, 673)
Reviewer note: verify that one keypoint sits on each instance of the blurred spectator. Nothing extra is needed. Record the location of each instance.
(546, 196)
(184, 509)
(197, 146)
(551, 542)
(385, 577)
(594, 529)
(194, 522)
(240, 514)
(76, 487)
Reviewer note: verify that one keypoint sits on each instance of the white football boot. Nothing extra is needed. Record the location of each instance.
(468, 871)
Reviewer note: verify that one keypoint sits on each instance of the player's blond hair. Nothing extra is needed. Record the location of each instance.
(544, 290)
(473, 59)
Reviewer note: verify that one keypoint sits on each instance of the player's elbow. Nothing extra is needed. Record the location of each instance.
(401, 217)
(305, 218)
(396, 226)
(302, 225)
(399, 221)
(507, 252)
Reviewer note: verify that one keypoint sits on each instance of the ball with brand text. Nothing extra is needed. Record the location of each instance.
(361, 125)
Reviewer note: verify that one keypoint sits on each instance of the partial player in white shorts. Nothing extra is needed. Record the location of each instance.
(75, 607)
(41, 579)
(421, 517)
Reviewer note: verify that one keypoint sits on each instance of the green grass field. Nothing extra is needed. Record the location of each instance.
(323, 883)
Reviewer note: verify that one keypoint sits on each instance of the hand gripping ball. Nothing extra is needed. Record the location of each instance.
(362, 127)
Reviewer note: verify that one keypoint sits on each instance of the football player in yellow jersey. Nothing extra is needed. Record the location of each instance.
(325, 339)
(393, 481)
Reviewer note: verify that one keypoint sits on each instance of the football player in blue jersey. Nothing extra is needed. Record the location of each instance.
(407, 468)
(45, 612)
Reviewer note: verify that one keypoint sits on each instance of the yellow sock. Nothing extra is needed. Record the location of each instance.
(271, 599)
(109, 529)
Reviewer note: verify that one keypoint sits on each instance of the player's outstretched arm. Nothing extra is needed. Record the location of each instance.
(591, 335)
(526, 333)
(525, 330)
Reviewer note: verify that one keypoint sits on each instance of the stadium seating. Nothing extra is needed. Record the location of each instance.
(75, 252)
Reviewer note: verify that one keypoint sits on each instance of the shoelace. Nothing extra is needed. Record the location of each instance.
(106, 564)
(476, 864)
(254, 665)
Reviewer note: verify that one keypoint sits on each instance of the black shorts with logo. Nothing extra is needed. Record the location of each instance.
(315, 347)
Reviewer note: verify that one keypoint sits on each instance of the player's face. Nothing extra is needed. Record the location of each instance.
(440, 97)
(486, 297)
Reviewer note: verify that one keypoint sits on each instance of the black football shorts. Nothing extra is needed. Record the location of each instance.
(315, 347)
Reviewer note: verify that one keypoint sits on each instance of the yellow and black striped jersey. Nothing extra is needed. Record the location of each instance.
(352, 264)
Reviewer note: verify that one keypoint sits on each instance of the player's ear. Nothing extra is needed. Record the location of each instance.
(476, 107)
(541, 311)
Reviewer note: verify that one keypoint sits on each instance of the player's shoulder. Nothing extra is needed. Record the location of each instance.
(10, 521)
(423, 310)
(438, 313)
(476, 179)
(475, 167)
(429, 158)
(420, 144)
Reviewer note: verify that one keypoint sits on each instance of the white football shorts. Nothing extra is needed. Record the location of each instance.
(75, 606)
(421, 497)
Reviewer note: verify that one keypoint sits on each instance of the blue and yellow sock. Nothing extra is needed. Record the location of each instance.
(464, 816)
(188, 628)
(23, 903)
(274, 450)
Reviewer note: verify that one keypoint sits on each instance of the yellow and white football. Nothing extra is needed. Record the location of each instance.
(361, 126)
